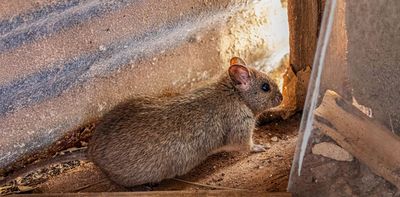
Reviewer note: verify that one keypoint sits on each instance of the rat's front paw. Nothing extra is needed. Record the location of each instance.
(257, 148)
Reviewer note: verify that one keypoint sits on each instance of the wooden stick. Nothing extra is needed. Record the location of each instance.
(364, 138)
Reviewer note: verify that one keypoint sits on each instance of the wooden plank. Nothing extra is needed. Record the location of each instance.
(364, 138)
(304, 23)
(219, 193)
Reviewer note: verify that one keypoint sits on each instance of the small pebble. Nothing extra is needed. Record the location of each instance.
(268, 145)
(331, 151)
(274, 139)
(102, 48)
(83, 143)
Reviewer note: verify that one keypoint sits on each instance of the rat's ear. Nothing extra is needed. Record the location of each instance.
(240, 75)
(237, 61)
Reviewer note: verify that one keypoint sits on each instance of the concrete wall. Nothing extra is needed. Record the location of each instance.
(374, 58)
(361, 63)
(64, 63)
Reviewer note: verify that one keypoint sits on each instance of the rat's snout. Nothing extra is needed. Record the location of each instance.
(278, 99)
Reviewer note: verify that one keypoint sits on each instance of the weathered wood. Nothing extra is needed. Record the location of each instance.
(366, 139)
(304, 22)
(219, 193)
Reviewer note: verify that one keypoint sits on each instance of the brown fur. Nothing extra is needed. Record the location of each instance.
(148, 139)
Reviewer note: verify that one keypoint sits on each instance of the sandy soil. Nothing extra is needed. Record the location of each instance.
(266, 171)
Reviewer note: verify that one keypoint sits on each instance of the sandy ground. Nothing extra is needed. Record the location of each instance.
(266, 171)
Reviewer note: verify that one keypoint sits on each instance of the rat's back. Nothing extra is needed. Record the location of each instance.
(149, 139)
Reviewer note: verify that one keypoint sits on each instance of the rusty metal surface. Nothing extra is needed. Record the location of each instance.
(65, 62)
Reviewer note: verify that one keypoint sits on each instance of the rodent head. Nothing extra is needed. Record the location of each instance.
(258, 91)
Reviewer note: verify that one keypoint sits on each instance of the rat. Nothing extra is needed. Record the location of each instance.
(149, 139)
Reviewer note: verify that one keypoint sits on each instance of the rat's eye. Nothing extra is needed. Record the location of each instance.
(265, 87)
